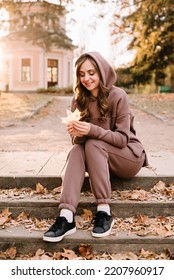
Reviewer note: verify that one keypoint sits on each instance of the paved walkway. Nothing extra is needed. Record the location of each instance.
(29, 161)
(37, 164)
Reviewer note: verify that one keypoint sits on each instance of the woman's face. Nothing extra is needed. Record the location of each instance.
(89, 77)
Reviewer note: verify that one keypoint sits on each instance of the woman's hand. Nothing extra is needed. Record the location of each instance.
(82, 127)
(78, 128)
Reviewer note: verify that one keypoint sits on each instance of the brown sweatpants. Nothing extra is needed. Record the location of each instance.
(98, 158)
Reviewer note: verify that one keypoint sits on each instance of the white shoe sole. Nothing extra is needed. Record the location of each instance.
(59, 238)
(106, 233)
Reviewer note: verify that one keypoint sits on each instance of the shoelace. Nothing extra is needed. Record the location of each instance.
(58, 223)
(99, 219)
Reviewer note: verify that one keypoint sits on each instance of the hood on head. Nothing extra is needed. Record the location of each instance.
(107, 72)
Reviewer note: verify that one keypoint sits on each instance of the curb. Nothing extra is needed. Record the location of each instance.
(30, 241)
(51, 182)
(119, 208)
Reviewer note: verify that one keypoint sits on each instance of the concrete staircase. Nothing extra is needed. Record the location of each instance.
(29, 241)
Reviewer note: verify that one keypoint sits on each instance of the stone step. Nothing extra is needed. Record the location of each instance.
(26, 169)
(30, 241)
(49, 163)
(50, 182)
(48, 208)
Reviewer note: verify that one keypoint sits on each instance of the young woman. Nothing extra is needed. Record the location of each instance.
(104, 141)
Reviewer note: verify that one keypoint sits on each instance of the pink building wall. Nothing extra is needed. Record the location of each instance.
(14, 51)
(39, 58)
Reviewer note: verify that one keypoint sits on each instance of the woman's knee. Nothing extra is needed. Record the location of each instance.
(91, 145)
(95, 152)
(76, 153)
(77, 149)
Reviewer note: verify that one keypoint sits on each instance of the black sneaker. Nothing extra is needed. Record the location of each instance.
(59, 229)
(103, 224)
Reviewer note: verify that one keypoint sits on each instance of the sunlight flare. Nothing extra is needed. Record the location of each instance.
(4, 20)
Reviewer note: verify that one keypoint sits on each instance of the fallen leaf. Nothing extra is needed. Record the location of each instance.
(162, 231)
(3, 220)
(168, 227)
(6, 212)
(39, 252)
(148, 255)
(22, 217)
(5, 216)
(57, 256)
(125, 256)
(3, 256)
(69, 254)
(40, 189)
(45, 257)
(85, 250)
(11, 253)
(142, 219)
(87, 214)
(57, 190)
(160, 186)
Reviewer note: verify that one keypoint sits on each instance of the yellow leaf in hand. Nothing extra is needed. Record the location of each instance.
(71, 116)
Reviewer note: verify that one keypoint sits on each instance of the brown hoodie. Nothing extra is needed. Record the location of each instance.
(118, 129)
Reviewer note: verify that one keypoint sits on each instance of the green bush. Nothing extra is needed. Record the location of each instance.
(41, 90)
(56, 90)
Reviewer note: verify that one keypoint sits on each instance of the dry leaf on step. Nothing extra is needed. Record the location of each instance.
(87, 215)
(85, 250)
(5, 216)
(41, 189)
(125, 256)
(11, 253)
(69, 254)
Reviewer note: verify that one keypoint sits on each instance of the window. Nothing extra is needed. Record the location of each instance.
(69, 72)
(52, 72)
(26, 70)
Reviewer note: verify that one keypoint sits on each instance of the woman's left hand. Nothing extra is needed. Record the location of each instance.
(82, 127)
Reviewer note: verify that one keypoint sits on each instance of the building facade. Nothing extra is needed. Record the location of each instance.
(28, 61)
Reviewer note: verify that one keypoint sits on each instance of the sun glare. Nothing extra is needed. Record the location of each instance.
(4, 17)
(1, 58)
(1, 68)
(0, 53)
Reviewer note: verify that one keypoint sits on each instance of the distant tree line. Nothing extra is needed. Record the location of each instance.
(35, 25)
(151, 27)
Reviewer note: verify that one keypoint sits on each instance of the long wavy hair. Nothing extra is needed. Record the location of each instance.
(83, 95)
